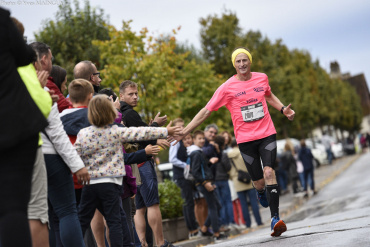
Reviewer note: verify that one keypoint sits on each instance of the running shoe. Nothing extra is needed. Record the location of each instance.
(262, 199)
(277, 226)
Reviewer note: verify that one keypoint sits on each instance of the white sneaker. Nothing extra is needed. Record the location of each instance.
(195, 235)
(242, 227)
(234, 226)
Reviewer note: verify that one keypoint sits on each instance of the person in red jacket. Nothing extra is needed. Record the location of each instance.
(44, 54)
(59, 76)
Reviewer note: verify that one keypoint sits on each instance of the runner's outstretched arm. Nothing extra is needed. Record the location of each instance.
(276, 103)
(201, 116)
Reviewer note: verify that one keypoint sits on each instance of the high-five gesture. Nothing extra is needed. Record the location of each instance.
(173, 131)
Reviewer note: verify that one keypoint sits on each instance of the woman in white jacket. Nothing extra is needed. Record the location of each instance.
(61, 161)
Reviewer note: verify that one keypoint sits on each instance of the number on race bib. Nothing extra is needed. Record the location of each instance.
(252, 113)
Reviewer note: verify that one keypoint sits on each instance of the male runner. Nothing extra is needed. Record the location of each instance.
(245, 95)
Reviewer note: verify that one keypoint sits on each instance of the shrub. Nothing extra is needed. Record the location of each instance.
(170, 200)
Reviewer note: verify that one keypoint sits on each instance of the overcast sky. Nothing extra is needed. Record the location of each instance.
(331, 30)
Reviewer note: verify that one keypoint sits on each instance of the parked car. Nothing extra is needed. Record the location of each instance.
(166, 171)
(349, 146)
(320, 156)
(318, 152)
(336, 147)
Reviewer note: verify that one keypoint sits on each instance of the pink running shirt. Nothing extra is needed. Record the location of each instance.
(246, 102)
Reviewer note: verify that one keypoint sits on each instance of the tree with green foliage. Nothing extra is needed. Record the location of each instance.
(169, 81)
(219, 37)
(71, 34)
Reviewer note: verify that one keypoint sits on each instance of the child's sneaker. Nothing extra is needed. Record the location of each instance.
(277, 226)
(224, 229)
(206, 234)
(168, 244)
(194, 235)
(262, 199)
(220, 238)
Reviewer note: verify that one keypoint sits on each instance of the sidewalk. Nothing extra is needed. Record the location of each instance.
(288, 202)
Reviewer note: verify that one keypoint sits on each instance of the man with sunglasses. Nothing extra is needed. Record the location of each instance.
(87, 70)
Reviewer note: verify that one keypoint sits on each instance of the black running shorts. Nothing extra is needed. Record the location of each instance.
(254, 151)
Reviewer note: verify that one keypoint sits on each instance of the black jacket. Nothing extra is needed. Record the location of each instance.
(131, 118)
(199, 167)
(15, 101)
(223, 166)
(289, 164)
(306, 157)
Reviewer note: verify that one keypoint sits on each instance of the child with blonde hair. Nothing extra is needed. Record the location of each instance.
(100, 147)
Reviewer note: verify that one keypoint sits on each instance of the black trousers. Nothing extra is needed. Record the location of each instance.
(16, 166)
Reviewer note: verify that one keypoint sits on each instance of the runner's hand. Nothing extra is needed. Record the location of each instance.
(289, 113)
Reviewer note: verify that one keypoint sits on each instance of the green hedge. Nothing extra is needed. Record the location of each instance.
(170, 200)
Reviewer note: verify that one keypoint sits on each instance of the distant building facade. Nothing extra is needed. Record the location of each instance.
(360, 84)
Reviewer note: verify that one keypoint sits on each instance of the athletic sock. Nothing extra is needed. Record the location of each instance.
(273, 199)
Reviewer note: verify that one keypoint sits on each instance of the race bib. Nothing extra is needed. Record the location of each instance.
(252, 113)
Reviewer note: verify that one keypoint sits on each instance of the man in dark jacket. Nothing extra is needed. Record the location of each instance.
(306, 157)
(147, 193)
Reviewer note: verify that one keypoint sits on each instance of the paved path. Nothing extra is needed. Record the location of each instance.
(289, 203)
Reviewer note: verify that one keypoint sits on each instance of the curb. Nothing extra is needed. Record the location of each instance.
(338, 172)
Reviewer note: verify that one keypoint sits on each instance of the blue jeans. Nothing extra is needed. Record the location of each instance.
(106, 198)
(330, 155)
(308, 177)
(213, 208)
(61, 196)
(226, 211)
(251, 194)
(186, 187)
(282, 179)
(301, 178)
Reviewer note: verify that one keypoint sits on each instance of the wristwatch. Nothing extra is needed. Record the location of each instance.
(282, 109)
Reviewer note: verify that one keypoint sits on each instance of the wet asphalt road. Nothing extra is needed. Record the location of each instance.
(339, 215)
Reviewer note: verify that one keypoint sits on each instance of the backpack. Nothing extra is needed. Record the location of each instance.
(187, 170)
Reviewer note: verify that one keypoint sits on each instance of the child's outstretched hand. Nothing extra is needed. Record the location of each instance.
(173, 131)
(152, 150)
